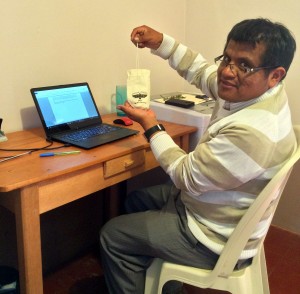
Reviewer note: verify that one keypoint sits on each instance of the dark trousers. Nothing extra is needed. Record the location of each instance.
(155, 226)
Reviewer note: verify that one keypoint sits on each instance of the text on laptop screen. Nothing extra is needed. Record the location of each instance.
(65, 105)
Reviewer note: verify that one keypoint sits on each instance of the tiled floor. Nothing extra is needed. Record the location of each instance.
(84, 276)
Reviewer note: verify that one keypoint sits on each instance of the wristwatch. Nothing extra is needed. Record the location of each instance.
(151, 131)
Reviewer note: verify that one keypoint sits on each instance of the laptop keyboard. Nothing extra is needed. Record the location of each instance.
(88, 133)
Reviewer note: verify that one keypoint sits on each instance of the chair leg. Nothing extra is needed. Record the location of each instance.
(255, 278)
(264, 271)
(152, 277)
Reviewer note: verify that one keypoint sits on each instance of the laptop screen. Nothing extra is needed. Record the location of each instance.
(67, 104)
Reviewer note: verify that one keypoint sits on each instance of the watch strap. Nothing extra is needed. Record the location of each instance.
(152, 130)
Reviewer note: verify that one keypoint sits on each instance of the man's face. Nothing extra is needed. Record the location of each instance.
(236, 86)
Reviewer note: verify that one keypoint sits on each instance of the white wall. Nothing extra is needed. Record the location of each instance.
(63, 41)
(45, 43)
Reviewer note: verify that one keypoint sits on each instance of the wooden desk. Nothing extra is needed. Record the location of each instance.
(31, 185)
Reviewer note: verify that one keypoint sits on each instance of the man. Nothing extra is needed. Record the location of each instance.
(249, 137)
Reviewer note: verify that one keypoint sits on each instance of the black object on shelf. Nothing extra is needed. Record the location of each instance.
(180, 102)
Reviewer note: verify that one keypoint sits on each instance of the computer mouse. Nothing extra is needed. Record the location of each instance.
(125, 121)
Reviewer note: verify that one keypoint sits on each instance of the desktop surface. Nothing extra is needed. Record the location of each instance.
(31, 168)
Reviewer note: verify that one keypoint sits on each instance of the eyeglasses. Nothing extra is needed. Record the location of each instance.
(242, 68)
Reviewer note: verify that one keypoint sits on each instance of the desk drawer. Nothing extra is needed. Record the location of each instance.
(123, 163)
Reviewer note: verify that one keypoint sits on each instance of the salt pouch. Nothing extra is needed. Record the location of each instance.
(138, 88)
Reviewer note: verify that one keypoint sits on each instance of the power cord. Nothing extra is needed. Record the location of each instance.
(30, 150)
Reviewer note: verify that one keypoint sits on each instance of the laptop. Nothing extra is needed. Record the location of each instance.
(69, 115)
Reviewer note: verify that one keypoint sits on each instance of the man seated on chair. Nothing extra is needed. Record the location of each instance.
(250, 135)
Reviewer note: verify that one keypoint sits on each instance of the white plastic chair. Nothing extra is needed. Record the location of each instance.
(252, 279)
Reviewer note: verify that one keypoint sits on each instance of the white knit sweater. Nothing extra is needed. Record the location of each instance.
(243, 147)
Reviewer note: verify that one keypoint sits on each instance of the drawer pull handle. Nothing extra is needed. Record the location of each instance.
(128, 163)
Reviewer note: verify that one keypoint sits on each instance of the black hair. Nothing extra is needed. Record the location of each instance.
(278, 40)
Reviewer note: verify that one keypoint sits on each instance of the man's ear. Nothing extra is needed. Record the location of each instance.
(276, 75)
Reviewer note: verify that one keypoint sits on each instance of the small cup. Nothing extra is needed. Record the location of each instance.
(121, 97)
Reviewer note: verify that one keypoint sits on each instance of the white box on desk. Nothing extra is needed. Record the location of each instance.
(198, 116)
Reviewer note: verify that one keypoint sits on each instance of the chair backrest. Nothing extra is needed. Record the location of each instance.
(240, 236)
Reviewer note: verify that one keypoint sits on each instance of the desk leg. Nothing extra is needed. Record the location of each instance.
(29, 240)
(114, 199)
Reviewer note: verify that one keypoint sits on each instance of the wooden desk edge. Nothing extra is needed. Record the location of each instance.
(182, 131)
